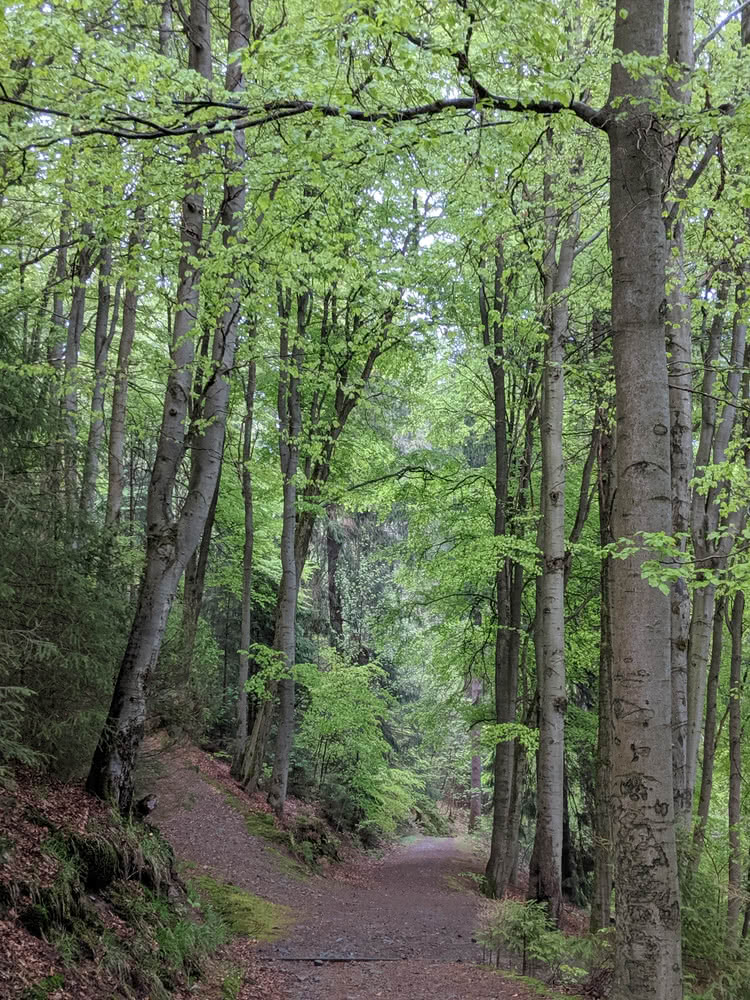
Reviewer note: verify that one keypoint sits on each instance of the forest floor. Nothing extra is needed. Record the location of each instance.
(398, 925)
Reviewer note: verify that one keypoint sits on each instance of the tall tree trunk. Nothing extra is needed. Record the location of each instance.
(569, 864)
(475, 738)
(679, 364)
(81, 275)
(232, 210)
(709, 736)
(734, 891)
(679, 347)
(194, 587)
(56, 348)
(493, 311)
(333, 548)
(284, 640)
(56, 352)
(104, 332)
(171, 538)
(601, 897)
(116, 451)
(648, 960)
(545, 884)
(246, 479)
(348, 393)
(705, 520)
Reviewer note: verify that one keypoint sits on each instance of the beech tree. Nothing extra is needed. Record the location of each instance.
(172, 537)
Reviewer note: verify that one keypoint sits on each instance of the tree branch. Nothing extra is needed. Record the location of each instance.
(719, 27)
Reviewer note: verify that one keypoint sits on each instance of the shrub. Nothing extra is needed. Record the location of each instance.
(519, 928)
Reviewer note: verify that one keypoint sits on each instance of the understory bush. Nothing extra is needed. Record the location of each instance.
(341, 754)
(64, 625)
(523, 931)
(13, 749)
(713, 971)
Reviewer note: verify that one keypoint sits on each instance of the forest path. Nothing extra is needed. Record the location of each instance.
(413, 910)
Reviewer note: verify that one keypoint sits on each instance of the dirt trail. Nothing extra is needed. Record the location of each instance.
(413, 910)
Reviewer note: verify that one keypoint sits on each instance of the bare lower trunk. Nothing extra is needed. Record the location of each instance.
(475, 737)
(284, 641)
(734, 891)
(520, 776)
(246, 479)
(255, 745)
(116, 453)
(680, 370)
(545, 885)
(493, 310)
(104, 332)
(194, 587)
(648, 961)
(601, 897)
(333, 548)
(710, 736)
(112, 768)
(81, 274)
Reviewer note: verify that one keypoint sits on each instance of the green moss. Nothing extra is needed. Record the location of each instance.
(410, 838)
(258, 824)
(262, 825)
(288, 865)
(243, 912)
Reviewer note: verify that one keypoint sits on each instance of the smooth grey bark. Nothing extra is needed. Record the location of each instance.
(246, 482)
(104, 332)
(493, 308)
(734, 880)
(648, 961)
(475, 738)
(165, 27)
(705, 521)
(680, 44)
(232, 210)
(333, 549)
(284, 640)
(679, 347)
(56, 348)
(172, 536)
(119, 411)
(601, 896)
(545, 883)
(81, 272)
(709, 734)
(194, 585)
